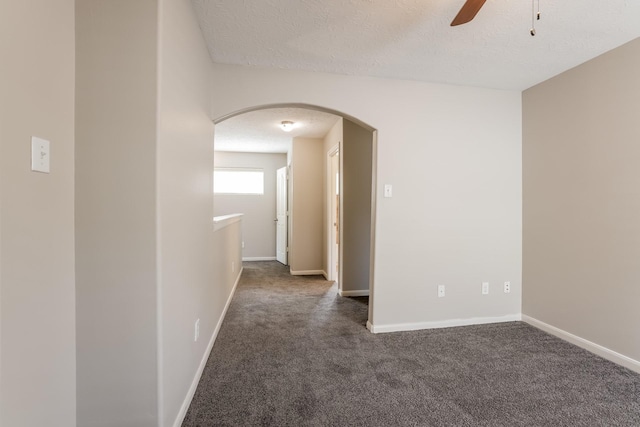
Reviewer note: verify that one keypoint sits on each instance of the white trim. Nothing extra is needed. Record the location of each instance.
(326, 276)
(220, 222)
(592, 347)
(194, 384)
(374, 225)
(376, 329)
(360, 293)
(329, 197)
(258, 258)
(293, 105)
(307, 273)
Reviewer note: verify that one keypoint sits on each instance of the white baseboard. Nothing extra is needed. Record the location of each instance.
(376, 329)
(362, 293)
(259, 258)
(307, 273)
(194, 384)
(594, 348)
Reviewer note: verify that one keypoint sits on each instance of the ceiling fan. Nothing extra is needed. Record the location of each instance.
(468, 12)
(471, 8)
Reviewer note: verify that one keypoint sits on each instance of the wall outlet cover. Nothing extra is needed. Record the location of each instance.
(507, 287)
(485, 288)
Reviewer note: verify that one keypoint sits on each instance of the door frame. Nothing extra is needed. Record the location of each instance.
(331, 197)
(282, 197)
(374, 183)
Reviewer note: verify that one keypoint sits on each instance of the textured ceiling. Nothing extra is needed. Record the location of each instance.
(259, 131)
(412, 39)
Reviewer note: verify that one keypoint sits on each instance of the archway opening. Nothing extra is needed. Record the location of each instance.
(310, 187)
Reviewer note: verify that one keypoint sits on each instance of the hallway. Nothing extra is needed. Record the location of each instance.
(291, 352)
(273, 344)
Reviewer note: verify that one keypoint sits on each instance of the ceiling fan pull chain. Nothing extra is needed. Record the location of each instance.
(538, 14)
(533, 17)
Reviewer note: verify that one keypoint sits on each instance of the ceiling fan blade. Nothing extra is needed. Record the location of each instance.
(468, 12)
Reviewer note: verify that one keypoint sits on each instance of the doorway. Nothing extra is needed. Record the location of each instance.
(331, 232)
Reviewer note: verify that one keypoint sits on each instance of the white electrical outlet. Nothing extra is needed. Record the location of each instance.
(485, 288)
(440, 291)
(507, 287)
(196, 333)
(243, 244)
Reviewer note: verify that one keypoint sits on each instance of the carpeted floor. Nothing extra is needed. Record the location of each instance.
(292, 353)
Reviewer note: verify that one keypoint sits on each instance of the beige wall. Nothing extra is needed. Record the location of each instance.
(453, 155)
(582, 201)
(188, 290)
(144, 230)
(227, 266)
(307, 175)
(37, 296)
(356, 156)
(258, 226)
(116, 212)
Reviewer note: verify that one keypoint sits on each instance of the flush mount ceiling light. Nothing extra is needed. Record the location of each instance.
(287, 126)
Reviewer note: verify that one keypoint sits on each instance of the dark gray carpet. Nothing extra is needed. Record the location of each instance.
(292, 353)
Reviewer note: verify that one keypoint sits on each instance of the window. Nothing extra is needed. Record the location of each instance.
(238, 181)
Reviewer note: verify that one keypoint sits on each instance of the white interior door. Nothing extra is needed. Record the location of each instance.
(281, 216)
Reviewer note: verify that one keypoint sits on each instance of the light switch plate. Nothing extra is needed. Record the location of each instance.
(388, 190)
(40, 155)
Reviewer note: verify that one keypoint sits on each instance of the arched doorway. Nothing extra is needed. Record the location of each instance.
(356, 197)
